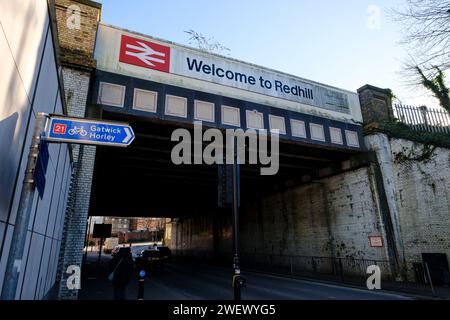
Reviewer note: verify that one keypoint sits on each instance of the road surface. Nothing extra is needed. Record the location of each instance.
(189, 281)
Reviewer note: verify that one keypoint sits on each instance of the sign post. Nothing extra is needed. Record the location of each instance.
(102, 231)
(238, 280)
(59, 129)
(141, 285)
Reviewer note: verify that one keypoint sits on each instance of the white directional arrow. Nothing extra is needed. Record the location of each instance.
(145, 54)
(129, 135)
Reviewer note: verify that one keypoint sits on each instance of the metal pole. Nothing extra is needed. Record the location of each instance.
(290, 262)
(86, 240)
(236, 263)
(100, 251)
(14, 264)
(141, 285)
(429, 279)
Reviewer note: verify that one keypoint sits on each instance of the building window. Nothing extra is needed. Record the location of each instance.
(176, 106)
(336, 135)
(145, 100)
(231, 116)
(298, 128)
(255, 119)
(352, 138)
(111, 94)
(277, 122)
(317, 132)
(204, 111)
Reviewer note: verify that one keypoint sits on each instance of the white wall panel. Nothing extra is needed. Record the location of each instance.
(23, 265)
(33, 211)
(13, 113)
(3, 258)
(24, 26)
(58, 107)
(52, 264)
(56, 194)
(2, 233)
(44, 266)
(21, 174)
(32, 267)
(47, 86)
(298, 128)
(47, 91)
(57, 246)
(44, 204)
(24, 23)
(2, 229)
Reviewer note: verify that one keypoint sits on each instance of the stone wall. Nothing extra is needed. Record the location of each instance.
(77, 44)
(201, 236)
(334, 216)
(330, 217)
(423, 199)
(76, 56)
(76, 85)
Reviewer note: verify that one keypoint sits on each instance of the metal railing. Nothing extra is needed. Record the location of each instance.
(342, 269)
(423, 118)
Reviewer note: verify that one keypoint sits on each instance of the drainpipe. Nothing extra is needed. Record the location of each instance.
(383, 171)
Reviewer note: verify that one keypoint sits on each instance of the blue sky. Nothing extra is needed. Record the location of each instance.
(333, 42)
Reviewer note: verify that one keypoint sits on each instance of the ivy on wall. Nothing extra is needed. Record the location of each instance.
(396, 129)
(423, 155)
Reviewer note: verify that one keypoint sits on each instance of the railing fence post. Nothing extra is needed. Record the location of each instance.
(290, 262)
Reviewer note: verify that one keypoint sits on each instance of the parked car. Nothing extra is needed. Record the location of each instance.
(149, 258)
(116, 250)
(164, 252)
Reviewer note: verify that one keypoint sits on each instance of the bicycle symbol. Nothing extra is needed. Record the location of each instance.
(75, 130)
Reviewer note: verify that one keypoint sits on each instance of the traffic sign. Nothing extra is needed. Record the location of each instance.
(144, 53)
(84, 131)
(41, 168)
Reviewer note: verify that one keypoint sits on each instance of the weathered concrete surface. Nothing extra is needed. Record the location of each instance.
(423, 199)
(76, 56)
(334, 216)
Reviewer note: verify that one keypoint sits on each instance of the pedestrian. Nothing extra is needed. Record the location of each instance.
(121, 269)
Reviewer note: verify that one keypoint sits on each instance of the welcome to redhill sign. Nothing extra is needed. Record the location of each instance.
(152, 55)
(123, 52)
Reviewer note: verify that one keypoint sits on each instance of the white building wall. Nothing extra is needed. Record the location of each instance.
(28, 85)
(423, 200)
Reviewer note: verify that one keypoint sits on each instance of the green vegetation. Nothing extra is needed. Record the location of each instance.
(400, 130)
(436, 84)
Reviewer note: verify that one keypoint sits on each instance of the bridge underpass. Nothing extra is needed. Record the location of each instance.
(311, 209)
(141, 181)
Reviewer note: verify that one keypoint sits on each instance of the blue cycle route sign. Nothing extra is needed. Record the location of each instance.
(85, 131)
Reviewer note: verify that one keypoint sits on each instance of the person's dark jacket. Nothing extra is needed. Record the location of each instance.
(124, 267)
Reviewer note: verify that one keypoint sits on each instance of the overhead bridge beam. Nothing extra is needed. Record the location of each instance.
(281, 154)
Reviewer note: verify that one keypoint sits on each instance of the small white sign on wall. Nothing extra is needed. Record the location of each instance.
(376, 241)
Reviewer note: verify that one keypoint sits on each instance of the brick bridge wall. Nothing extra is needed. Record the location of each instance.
(423, 200)
(76, 56)
(334, 216)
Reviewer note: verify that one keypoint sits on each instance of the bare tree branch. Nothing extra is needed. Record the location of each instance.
(426, 25)
(207, 44)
